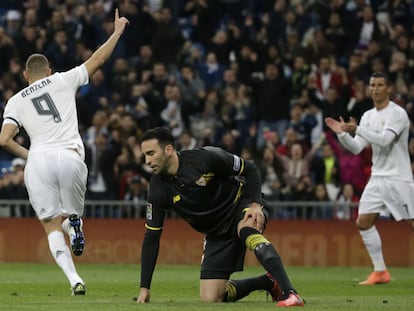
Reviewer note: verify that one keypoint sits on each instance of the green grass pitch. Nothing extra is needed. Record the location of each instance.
(112, 287)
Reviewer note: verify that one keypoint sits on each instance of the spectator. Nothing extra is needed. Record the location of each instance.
(297, 163)
(272, 181)
(192, 90)
(207, 126)
(99, 126)
(144, 62)
(337, 33)
(7, 50)
(303, 191)
(303, 123)
(346, 203)
(172, 115)
(367, 28)
(357, 69)
(204, 19)
(289, 138)
(156, 83)
(211, 71)
(18, 189)
(230, 142)
(360, 102)
(136, 193)
(97, 94)
(291, 49)
(328, 76)
(334, 101)
(13, 24)
(120, 82)
(299, 78)
(322, 209)
(29, 43)
(138, 105)
(186, 141)
(271, 100)
(166, 40)
(316, 46)
(99, 178)
(326, 170)
(221, 46)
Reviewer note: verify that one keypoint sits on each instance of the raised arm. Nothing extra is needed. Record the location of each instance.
(99, 57)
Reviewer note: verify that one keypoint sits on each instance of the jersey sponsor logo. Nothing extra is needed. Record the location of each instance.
(176, 198)
(149, 211)
(236, 163)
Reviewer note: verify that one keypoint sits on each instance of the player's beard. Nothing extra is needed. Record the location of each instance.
(164, 164)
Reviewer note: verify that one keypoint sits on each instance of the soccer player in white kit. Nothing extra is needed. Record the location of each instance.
(55, 173)
(390, 189)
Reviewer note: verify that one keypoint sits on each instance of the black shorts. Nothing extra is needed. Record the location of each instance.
(225, 254)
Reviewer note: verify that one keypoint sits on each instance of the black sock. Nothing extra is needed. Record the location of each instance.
(238, 289)
(269, 259)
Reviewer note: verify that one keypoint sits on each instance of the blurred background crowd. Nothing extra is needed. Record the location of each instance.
(255, 77)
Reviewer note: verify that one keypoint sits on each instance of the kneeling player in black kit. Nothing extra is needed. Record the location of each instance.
(218, 194)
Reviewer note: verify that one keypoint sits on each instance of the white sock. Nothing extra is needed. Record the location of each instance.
(66, 225)
(61, 253)
(372, 241)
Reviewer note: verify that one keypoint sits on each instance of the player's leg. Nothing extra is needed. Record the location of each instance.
(373, 245)
(43, 190)
(61, 253)
(213, 290)
(72, 179)
(370, 207)
(271, 262)
(222, 257)
(238, 289)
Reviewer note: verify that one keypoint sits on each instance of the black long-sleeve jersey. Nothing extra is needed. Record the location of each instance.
(203, 192)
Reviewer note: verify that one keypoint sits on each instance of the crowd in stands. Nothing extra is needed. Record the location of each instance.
(255, 77)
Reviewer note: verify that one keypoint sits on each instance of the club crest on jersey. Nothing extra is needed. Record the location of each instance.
(204, 179)
(201, 182)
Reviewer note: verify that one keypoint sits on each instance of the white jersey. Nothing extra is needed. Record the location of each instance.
(391, 160)
(46, 109)
(386, 130)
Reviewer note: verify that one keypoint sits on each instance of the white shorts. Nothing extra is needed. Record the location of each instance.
(387, 196)
(56, 183)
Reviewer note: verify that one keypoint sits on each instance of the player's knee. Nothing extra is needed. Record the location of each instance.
(213, 290)
(366, 221)
(252, 238)
(208, 296)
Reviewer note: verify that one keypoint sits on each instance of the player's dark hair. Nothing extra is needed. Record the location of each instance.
(162, 134)
(383, 75)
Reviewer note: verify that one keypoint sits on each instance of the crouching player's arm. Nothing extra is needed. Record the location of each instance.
(149, 254)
